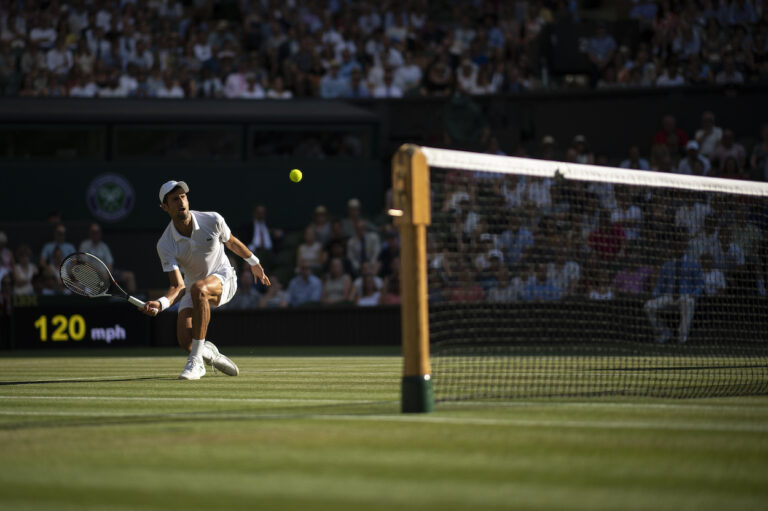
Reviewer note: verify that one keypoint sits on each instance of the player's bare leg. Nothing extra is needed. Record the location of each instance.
(191, 333)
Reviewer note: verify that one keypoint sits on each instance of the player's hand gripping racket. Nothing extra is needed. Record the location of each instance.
(86, 274)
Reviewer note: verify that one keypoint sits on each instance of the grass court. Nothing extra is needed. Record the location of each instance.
(322, 430)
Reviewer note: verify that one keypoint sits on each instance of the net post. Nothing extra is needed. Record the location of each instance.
(412, 214)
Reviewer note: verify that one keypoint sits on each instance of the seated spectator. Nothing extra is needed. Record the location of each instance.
(247, 295)
(321, 226)
(253, 89)
(583, 154)
(728, 148)
(600, 48)
(24, 271)
(171, 88)
(387, 89)
(94, 245)
(363, 246)
(538, 286)
(349, 224)
(408, 76)
(678, 284)
(608, 240)
(627, 214)
(515, 240)
(634, 275)
(759, 159)
(310, 250)
(565, 271)
(634, 160)
(259, 237)
(391, 293)
(304, 287)
(337, 286)
(714, 278)
(729, 75)
(6, 256)
(59, 242)
(275, 296)
(709, 135)
(671, 76)
(6, 294)
(369, 296)
(600, 287)
(687, 164)
(507, 288)
(357, 87)
(390, 253)
(366, 269)
(670, 134)
(333, 85)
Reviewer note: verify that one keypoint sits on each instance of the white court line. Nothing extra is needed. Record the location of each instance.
(413, 419)
(86, 379)
(455, 405)
(194, 399)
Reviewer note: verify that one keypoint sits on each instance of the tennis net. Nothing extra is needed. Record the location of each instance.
(556, 279)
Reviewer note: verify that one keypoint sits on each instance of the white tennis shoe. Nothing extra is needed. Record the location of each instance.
(194, 370)
(219, 362)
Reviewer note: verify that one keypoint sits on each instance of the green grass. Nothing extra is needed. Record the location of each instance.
(324, 432)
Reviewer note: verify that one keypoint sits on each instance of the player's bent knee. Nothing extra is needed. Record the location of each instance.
(199, 291)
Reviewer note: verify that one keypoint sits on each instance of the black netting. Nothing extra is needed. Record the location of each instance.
(554, 287)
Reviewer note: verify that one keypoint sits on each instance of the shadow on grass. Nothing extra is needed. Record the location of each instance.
(299, 412)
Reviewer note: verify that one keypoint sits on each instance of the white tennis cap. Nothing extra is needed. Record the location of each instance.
(170, 185)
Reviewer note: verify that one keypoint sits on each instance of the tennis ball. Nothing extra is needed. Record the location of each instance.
(295, 175)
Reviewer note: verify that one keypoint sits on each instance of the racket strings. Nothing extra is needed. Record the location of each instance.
(84, 277)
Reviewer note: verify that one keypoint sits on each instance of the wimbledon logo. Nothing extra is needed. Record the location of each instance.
(110, 197)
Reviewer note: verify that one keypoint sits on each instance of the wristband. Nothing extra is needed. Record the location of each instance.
(164, 303)
(253, 260)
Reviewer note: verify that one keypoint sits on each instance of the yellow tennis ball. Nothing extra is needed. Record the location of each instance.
(295, 175)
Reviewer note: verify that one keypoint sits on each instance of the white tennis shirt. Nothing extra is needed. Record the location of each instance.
(200, 255)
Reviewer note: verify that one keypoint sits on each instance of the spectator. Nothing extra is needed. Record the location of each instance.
(304, 288)
(547, 149)
(714, 278)
(670, 135)
(601, 287)
(759, 159)
(276, 296)
(24, 271)
(364, 246)
(627, 214)
(320, 225)
(253, 89)
(679, 282)
(332, 84)
(391, 293)
(59, 59)
(260, 239)
(59, 242)
(278, 90)
(600, 48)
(687, 164)
(388, 89)
(366, 269)
(671, 76)
(538, 286)
(729, 75)
(634, 160)
(6, 255)
(247, 296)
(349, 224)
(565, 271)
(369, 295)
(337, 286)
(390, 253)
(709, 135)
(357, 87)
(310, 250)
(94, 245)
(408, 76)
(170, 88)
(634, 276)
(583, 154)
(608, 240)
(728, 148)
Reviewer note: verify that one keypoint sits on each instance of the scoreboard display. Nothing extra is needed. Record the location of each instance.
(73, 321)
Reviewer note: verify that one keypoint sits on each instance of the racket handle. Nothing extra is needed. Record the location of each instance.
(135, 301)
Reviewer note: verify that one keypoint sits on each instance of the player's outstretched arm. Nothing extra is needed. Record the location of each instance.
(237, 246)
(176, 290)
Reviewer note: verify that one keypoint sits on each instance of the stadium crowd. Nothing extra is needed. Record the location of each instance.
(360, 49)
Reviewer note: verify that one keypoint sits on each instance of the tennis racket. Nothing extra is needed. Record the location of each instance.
(87, 275)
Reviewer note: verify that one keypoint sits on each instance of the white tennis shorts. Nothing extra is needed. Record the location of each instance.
(228, 289)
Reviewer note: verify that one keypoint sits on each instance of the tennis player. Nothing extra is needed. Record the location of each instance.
(193, 243)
